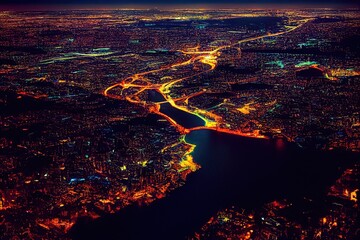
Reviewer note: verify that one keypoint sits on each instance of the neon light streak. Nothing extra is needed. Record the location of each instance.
(210, 119)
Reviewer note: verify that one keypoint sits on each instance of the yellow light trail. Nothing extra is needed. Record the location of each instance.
(208, 58)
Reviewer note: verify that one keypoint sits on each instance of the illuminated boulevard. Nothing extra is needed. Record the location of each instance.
(208, 58)
(189, 123)
(229, 174)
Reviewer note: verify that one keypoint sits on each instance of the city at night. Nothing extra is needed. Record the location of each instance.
(179, 120)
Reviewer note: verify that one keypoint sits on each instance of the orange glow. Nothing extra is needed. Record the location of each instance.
(353, 195)
(248, 235)
(32, 95)
(318, 235)
(246, 109)
(138, 83)
(188, 163)
(210, 220)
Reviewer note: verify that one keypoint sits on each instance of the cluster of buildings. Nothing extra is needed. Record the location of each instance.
(67, 151)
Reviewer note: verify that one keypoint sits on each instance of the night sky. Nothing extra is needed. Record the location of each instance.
(187, 2)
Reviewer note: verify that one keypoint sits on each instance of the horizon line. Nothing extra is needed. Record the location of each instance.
(168, 6)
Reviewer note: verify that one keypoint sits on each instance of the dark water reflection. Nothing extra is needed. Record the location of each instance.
(235, 170)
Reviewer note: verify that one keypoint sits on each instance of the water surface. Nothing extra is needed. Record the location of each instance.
(185, 119)
(235, 170)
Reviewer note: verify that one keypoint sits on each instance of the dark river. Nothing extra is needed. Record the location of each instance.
(185, 119)
(235, 170)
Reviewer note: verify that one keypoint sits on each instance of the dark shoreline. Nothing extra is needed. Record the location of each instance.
(246, 172)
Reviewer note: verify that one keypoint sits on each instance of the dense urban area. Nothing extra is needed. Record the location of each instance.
(88, 96)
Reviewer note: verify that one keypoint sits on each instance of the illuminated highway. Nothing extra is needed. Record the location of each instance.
(139, 83)
(199, 112)
(207, 58)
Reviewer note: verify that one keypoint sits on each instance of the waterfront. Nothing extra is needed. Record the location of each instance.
(83, 142)
(183, 118)
(234, 170)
